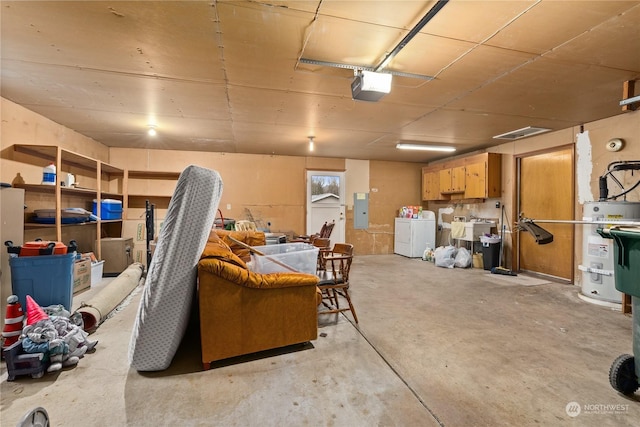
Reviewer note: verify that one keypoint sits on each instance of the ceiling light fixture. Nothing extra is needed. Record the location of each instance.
(521, 133)
(424, 147)
(152, 131)
(311, 143)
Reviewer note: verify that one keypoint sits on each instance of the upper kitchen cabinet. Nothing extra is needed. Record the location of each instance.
(473, 177)
(452, 180)
(431, 185)
(483, 179)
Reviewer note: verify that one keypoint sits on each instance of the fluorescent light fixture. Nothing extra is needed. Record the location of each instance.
(424, 147)
(310, 143)
(152, 131)
(521, 133)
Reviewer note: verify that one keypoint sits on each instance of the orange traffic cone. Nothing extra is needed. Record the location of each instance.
(12, 322)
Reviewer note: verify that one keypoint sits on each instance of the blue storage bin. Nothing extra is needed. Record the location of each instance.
(110, 209)
(47, 278)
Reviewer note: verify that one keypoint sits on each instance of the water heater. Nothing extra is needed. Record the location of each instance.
(598, 280)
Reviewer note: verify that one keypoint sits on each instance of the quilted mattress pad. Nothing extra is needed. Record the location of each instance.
(170, 284)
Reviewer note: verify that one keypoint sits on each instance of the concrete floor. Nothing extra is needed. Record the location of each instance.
(434, 347)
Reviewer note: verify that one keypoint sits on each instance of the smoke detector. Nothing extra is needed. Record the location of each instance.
(614, 144)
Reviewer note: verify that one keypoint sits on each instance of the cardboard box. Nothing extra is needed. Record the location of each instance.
(81, 275)
(136, 229)
(117, 254)
(140, 253)
(477, 261)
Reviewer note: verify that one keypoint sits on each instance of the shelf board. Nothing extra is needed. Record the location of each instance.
(52, 188)
(108, 195)
(68, 158)
(50, 152)
(47, 152)
(110, 221)
(111, 170)
(37, 187)
(38, 225)
(78, 160)
(150, 196)
(76, 190)
(161, 202)
(153, 174)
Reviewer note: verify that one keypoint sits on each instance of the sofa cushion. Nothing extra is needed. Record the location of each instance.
(231, 272)
(216, 248)
(249, 237)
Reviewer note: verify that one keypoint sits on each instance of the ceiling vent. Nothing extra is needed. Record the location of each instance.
(521, 133)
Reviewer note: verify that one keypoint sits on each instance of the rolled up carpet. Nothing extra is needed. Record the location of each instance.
(95, 311)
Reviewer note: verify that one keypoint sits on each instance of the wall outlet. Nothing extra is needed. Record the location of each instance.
(498, 205)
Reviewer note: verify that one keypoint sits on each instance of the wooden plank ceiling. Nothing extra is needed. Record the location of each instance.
(227, 76)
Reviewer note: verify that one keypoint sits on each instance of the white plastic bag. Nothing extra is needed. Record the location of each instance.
(463, 258)
(445, 256)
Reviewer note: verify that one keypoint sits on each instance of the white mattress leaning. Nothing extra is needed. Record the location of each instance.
(170, 284)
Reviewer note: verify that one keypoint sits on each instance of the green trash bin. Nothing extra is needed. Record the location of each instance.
(625, 371)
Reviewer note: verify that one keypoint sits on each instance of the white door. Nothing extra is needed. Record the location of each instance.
(326, 202)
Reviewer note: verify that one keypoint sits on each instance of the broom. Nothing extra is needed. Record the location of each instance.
(500, 269)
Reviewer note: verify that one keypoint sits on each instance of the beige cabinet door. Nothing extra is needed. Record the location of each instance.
(476, 183)
(445, 181)
(431, 186)
(458, 179)
(452, 180)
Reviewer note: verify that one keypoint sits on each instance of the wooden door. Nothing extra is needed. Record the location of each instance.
(546, 192)
(326, 202)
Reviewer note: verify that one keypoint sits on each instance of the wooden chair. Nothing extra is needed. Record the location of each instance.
(334, 279)
(244, 225)
(324, 246)
(325, 232)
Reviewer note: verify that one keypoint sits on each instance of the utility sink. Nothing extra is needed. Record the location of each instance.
(474, 229)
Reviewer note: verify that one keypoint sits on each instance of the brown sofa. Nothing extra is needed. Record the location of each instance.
(243, 312)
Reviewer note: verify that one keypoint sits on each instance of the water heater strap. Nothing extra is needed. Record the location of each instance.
(595, 270)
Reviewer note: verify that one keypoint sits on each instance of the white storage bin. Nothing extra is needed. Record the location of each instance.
(96, 272)
(299, 257)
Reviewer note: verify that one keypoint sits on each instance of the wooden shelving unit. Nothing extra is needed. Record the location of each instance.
(96, 180)
(155, 186)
